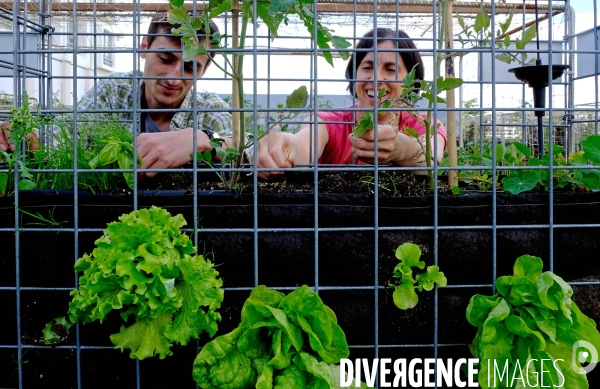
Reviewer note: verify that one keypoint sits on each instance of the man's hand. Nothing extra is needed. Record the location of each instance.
(387, 145)
(164, 150)
(32, 139)
(276, 150)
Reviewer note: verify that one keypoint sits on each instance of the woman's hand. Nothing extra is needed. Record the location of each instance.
(276, 150)
(388, 146)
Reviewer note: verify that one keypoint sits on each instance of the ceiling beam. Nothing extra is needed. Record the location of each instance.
(328, 6)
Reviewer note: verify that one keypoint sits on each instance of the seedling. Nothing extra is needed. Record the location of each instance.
(22, 124)
(480, 34)
(406, 286)
(409, 98)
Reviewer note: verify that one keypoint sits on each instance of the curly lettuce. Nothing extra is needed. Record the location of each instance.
(283, 342)
(144, 267)
(530, 319)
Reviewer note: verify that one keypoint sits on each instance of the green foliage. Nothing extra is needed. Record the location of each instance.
(22, 123)
(480, 34)
(272, 13)
(409, 98)
(564, 175)
(529, 319)
(406, 285)
(282, 341)
(100, 144)
(143, 267)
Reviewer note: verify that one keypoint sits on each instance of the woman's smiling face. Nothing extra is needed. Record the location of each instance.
(390, 72)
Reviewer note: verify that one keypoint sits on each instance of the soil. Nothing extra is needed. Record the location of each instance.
(393, 183)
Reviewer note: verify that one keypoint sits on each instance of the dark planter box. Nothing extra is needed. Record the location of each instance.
(349, 250)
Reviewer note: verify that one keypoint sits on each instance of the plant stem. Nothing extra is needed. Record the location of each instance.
(428, 131)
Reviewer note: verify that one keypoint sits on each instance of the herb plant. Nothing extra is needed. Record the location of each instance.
(564, 175)
(102, 144)
(23, 123)
(480, 34)
(272, 13)
(405, 284)
(530, 318)
(144, 267)
(282, 341)
(409, 98)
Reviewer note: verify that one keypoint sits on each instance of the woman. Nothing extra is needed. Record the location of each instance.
(335, 143)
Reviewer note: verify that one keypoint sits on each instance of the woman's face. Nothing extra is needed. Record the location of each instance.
(390, 73)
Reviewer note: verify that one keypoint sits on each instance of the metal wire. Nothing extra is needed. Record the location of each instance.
(56, 56)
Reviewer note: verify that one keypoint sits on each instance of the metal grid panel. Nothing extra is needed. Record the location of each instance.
(92, 28)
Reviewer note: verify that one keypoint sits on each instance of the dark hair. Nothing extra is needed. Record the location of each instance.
(161, 26)
(400, 39)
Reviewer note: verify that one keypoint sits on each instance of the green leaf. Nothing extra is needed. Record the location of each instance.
(220, 7)
(282, 6)
(411, 131)
(430, 97)
(405, 296)
(481, 21)
(504, 57)
(461, 22)
(365, 124)
(3, 182)
(298, 98)
(520, 181)
(504, 26)
(444, 84)
(507, 40)
(271, 20)
(341, 43)
(431, 277)
(528, 35)
(523, 149)
(144, 338)
(529, 267)
(591, 148)
(176, 3)
(409, 254)
(26, 185)
(109, 153)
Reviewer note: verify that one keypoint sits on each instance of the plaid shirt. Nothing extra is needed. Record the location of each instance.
(115, 93)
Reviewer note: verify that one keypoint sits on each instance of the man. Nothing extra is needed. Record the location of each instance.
(166, 135)
(165, 139)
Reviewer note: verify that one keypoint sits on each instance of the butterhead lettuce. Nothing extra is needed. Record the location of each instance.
(282, 342)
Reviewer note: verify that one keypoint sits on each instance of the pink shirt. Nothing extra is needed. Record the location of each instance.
(337, 150)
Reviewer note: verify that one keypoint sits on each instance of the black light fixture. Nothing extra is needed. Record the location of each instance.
(537, 78)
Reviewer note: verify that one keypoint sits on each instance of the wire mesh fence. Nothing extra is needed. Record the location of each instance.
(84, 68)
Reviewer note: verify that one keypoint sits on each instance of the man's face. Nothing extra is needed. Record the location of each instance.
(169, 90)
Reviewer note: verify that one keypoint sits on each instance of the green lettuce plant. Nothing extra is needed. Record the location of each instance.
(144, 267)
(406, 284)
(283, 341)
(530, 318)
